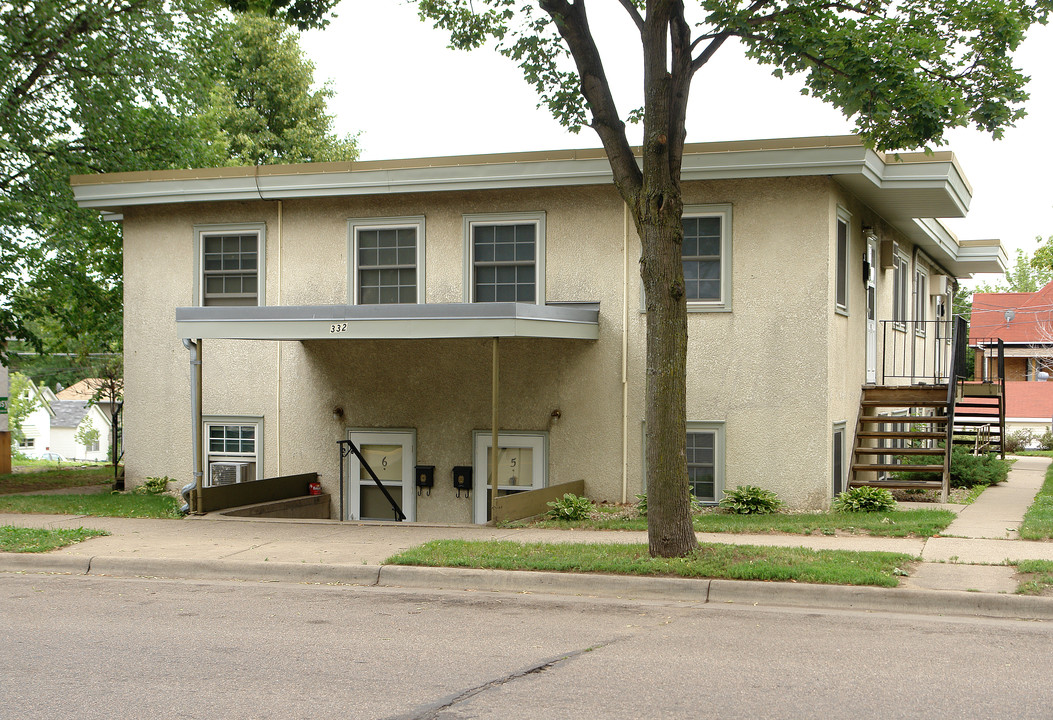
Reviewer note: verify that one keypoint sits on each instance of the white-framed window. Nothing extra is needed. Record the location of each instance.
(387, 260)
(706, 255)
(505, 258)
(233, 449)
(921, 297)
(230, 264)
(522, 464)
(391, 454)
(30, 442)
(705, 460)
(841, 260)
(900, 285)
(837, 460)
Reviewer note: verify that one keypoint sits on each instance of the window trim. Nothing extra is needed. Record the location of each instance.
(723, 211)
(259, 228)
(511, 218)
(536, 440)
(920, 285)
(209, 420)
(406, 437)
(354, 225)
(898, 257)
(717, 428)
(841, 275)
(842, 429)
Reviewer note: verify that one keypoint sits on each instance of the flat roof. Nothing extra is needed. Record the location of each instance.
(575, 321)
(908, 190)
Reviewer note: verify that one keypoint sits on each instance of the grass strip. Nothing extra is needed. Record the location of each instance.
(103, 504)
(1040, 581)
(897, 523)
(35, 540)
(1038, 520)
(733, 562)
(55, 479)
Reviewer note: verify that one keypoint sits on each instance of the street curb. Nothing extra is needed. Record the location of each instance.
(42, 563)
(527, 581)
(234, 570)
(690, 590)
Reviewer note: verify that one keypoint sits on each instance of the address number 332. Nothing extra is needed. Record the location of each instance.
(338, 328)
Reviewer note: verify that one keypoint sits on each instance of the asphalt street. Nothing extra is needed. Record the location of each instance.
(102, 647)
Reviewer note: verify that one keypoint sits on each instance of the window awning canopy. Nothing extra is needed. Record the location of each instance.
(575, 321)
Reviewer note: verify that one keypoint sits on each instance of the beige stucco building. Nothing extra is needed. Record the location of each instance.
(361, 300)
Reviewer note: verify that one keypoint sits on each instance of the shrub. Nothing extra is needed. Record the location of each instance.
(153, 486)
(968, 470)
(1045, 441)
(1017, 441)
(865, 499)
(641, 504)
(750, 500)
(570, 507)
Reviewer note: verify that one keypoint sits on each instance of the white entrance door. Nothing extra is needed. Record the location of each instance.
(871, 342)
(392, 456)
(521, 465)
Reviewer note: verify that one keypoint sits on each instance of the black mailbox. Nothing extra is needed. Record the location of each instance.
(425, 477)
(462, 479)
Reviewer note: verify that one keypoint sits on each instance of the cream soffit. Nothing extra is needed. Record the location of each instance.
(574, 321)
(918, 185)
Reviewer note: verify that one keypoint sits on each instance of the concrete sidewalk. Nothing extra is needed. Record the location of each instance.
(217, 547)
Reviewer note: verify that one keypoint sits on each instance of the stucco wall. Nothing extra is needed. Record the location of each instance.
(777, 371)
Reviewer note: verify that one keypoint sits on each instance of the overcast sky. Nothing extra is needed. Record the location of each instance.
(409, 96)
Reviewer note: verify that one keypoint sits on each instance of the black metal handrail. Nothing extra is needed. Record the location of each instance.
(984, 375)
(346, 448)
(916, 350)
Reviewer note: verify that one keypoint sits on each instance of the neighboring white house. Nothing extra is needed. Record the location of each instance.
(53, 427)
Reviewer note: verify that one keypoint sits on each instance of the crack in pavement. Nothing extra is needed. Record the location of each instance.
(431, 712)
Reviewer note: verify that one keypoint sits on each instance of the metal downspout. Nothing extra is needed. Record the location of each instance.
(195, 413)
(625, 354)
(494, 419)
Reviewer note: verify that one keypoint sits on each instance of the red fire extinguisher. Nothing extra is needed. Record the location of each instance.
(314, 488)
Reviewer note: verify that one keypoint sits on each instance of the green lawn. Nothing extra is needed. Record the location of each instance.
(897, 523)
(103, 504)
(64, 477)
(1038, 520)
(35, 540)
(736, 562)
(1039, 577)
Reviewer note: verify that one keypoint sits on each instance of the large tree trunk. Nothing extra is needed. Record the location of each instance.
(669, 528)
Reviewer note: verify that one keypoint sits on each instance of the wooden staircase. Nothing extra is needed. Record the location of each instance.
(979, 417)
(900, 430)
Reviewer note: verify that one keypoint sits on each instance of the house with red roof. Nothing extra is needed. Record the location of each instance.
(1023, 321)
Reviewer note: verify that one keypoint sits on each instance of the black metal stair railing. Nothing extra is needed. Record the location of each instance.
(918, 351)
(346, 448)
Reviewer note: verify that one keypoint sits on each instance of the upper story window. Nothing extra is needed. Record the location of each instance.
(387, 261)
(706, 254)
(841, 269)
(230, 264)
(506, 257)
(921, 297)
(900, 285)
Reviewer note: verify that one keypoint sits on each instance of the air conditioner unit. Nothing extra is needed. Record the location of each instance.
(227, 473)
(940, 285)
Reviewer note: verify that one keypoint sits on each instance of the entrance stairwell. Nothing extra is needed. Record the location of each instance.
(905, 433)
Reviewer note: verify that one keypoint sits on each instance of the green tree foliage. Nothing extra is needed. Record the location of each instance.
(87, 434)
(1042, 260)
(125, 85)
(904, 72)
(262, 105)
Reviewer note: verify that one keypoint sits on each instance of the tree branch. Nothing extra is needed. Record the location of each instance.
(633, 13)
(573, 26)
